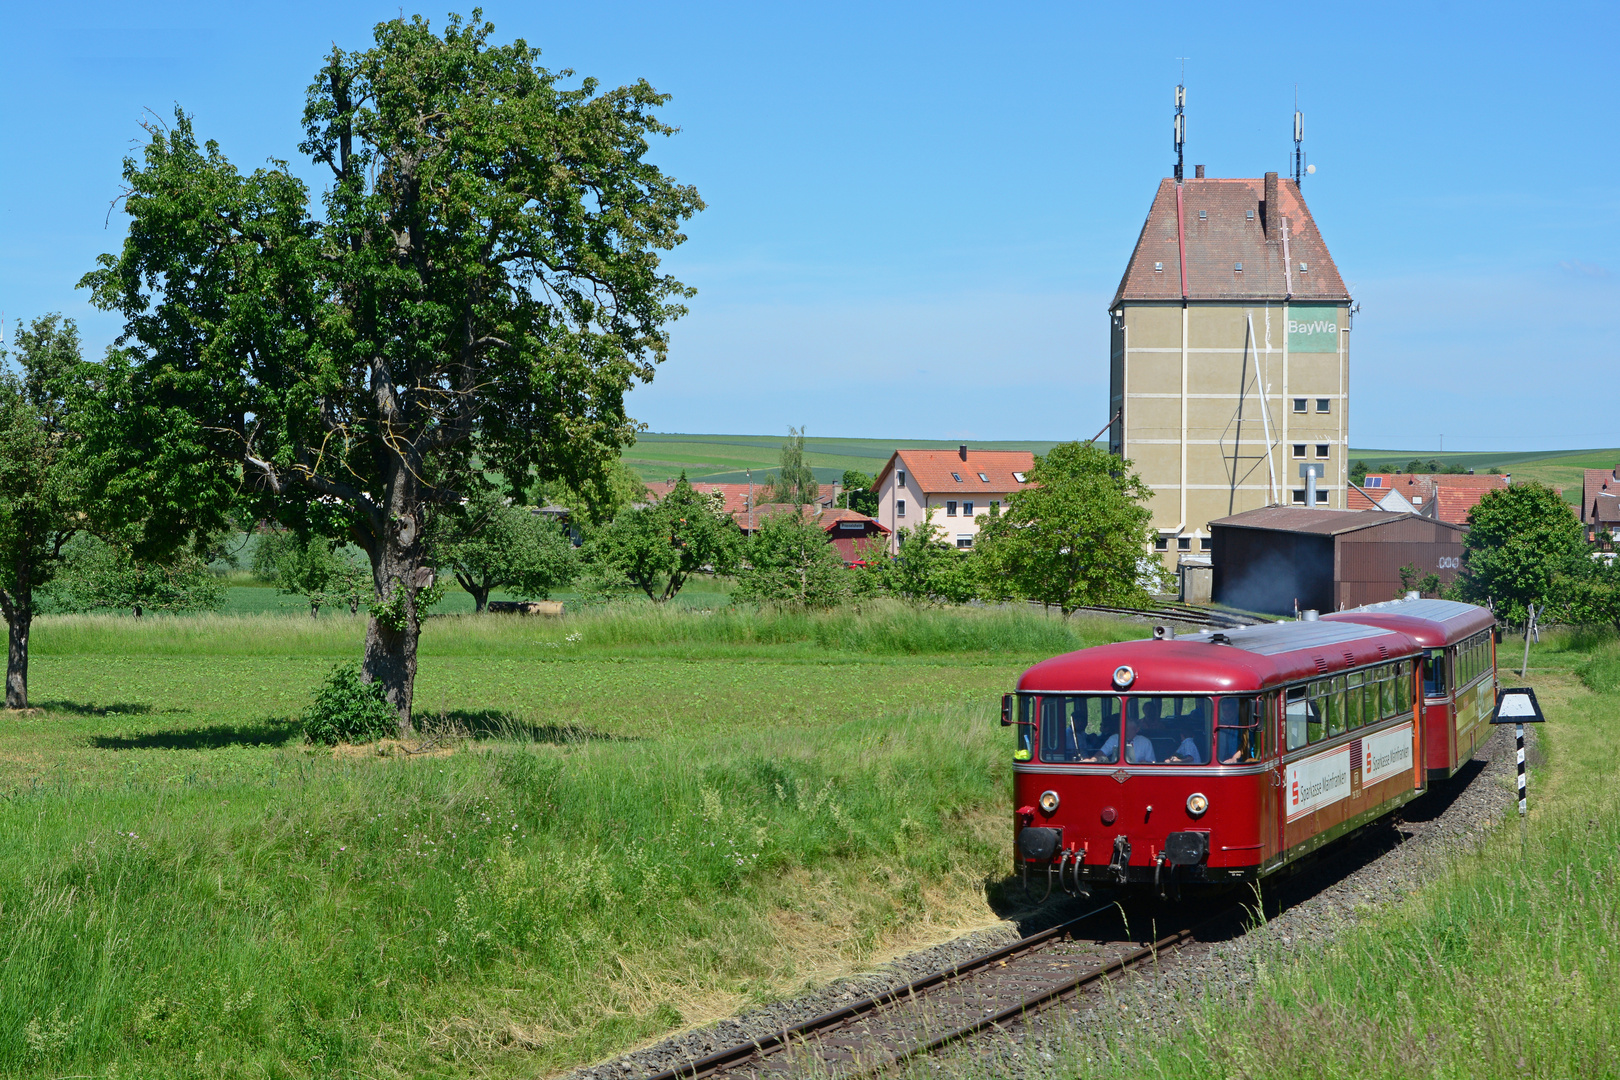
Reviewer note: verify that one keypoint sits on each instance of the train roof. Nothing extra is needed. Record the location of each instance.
(1240, 660)
(1430, 623)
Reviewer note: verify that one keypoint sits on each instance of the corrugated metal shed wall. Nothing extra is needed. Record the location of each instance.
(1367, 562)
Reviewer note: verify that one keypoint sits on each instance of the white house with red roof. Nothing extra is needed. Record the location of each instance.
(958, 485)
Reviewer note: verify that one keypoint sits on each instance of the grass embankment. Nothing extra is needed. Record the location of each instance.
(625, 839)
(1504, 966)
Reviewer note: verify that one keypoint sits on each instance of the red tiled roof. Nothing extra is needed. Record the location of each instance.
(1454, 493)
(737, 495)
(1604, 510)
(935, 472)
(1595, 483)
(1226, 236)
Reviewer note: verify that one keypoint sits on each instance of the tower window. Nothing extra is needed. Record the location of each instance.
(1206, 543)
(1299, 496)
(1299, 406)
(1299, 449)
(1183, 543)
(1321, 449)
(1321, 496)
(1322, 404)
(1161, 543)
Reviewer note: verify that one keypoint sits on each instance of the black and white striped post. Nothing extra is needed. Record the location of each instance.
(1518, 706)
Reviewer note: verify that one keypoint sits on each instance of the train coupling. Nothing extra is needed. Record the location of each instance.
(1120, 866)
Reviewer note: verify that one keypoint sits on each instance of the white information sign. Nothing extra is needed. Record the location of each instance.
(1318, 781)
(1386, 754)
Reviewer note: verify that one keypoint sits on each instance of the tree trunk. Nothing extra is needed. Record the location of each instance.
(392, 631)
(20, 617)
(480, 599)
(314, 611)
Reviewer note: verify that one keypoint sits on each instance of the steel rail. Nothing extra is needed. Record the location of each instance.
(742, 1051)
(1035, 1001)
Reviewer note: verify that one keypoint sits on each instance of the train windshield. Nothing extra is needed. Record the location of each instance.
(1168, 730)
(1080, 728)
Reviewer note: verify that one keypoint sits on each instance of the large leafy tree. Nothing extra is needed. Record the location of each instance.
(657, 548)
(42, 500)
(482, 284)
(491, 544)
(1079, 536)
(1520, 540)
(795, 482)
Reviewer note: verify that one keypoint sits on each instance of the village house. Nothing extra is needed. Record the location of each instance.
(1600, 503)
(1442, 496)
(847, 530)
(958, 485)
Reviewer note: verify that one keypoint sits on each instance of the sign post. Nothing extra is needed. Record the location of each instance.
(1518, 706)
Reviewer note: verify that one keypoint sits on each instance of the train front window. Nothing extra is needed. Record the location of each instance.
(1237, 734)
(1080, 728)
(1168, 730)
(1434, 673)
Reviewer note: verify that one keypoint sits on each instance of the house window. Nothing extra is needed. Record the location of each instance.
(964, 541)
(900, 477)
(1299, 496)
(995, 508)
(1299, 449)
(1299, 406)
(1206, 543)
(900, 508)
(1321, 404)
(1321, 496)
(967, 509)
(1183, 543)
(1321, 449)
(950, 508)
(1161, 543)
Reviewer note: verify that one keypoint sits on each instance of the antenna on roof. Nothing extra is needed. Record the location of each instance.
(1299, 137)
(1181, 118)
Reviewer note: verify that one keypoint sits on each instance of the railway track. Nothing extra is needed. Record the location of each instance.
(980, 993)
(1181, 613)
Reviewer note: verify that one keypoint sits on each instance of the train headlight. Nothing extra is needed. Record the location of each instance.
(1049, 802)
(1197, 803)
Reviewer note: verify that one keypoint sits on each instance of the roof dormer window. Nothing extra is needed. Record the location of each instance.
(1302, 268)
(1237, 268)
(957, 477)
(986, 479)
(1018, 476)
(1158, 268)
(1250, 215)
(1203, 215)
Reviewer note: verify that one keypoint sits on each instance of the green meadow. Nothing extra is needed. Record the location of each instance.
(728, 458)
(613, 825)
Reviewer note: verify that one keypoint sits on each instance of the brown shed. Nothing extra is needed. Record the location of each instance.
(1269, 559)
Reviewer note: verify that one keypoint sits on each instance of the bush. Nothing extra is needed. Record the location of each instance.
(346, 709)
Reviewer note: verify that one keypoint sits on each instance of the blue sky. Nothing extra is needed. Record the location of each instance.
(918, 213)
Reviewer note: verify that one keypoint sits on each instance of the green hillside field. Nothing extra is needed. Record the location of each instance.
(728, 458)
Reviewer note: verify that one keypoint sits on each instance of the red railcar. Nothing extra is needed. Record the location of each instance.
(1212, 758)
(1458, 672)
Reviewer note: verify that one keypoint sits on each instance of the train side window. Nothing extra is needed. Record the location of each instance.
(1369, 698)
(1386, 691)
(1434, 673)
(1296, 717)
(1347, 715)
(1026, 728)
(1403, 687)
(1323, 700)
(1237, 731)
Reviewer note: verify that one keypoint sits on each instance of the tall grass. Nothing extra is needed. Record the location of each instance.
(519, 907)
(884, 628)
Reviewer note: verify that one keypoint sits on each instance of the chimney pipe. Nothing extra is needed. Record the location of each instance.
(962, 450)
(1270, 212)
(1198, 172)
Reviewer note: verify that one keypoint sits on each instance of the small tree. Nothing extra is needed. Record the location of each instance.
(1077, 537)
(858, 494)
(790, 561)
(657, 548)
(795, 482)
(101, 576)
(491, 544)
(927, 569)
(41, 490)
(1519, 541)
